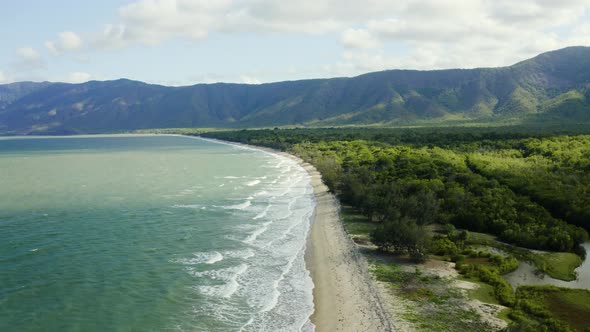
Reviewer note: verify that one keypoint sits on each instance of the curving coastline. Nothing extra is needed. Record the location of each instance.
(345, 296)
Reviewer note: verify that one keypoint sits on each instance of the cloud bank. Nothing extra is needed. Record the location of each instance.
(372, 34)
(66, 41)
(434, 33)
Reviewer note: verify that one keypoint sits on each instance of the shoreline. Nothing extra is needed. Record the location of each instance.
(345, 295)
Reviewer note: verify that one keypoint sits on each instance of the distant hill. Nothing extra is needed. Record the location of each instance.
(554, 86)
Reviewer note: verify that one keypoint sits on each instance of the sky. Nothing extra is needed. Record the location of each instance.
(184, 42)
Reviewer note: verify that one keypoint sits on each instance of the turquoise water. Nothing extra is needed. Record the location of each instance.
(151, 233)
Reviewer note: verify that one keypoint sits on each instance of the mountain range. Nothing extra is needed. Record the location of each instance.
(553, 86)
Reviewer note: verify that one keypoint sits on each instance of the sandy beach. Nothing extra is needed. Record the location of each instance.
(345, 295)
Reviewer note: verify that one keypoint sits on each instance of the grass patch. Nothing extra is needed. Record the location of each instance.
(391, 273)
(505, 315)
(481, 238)
(558, 309)
(355, 223)
(572, 306)
(477, 261)
(435, 304)
(483, 293)
(561, 265)
(558, 265)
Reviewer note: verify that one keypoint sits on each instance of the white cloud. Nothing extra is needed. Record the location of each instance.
(78, 77)
(29, 59)
(2, 77)
(580, 35)
(66, 41)
(112, 36)
(439, 34)
(28, 53)
(70, 40)
(249, 80)
(376, 22)
(51, 47)
(154, 21)
(373, 34)
(358, 38)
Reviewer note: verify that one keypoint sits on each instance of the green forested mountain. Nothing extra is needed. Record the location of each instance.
(553, 86)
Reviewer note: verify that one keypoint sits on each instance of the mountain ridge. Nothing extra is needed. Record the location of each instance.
(553, 86)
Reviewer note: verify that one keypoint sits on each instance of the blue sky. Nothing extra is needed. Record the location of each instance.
(182, 42)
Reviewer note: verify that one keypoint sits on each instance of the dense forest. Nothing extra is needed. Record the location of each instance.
(529, 190)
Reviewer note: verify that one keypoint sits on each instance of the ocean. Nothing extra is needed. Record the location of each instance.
(151, 233)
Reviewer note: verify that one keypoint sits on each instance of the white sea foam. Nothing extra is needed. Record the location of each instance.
(273, 292)
(252, 237)
(286, 170)
(187, 191)
(275, 287)
(201, 258)
(252, 183)
(231, 177)
(241, 206)
(288, 231)
(280, 163)
(189, 206)
(216, 257)
(240, 254)
(228, 275)
(261, 193)
(263, 213)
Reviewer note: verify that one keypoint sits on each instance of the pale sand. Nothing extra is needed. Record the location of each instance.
(345, 295)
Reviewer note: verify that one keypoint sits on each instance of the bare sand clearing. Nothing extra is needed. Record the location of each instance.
(345, 295)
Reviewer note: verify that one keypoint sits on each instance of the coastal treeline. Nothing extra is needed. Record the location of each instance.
(528, 190)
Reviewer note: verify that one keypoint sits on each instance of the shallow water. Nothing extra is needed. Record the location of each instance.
(525, 275)
(151, 233)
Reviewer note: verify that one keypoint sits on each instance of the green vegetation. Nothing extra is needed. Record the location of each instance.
(433, 304)
(561, 265)
(558, 265)
(356, 225)
(484, 189)
(489, 268)
(483, 293)
(428, 177)
(551, 171)
(548, 308)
